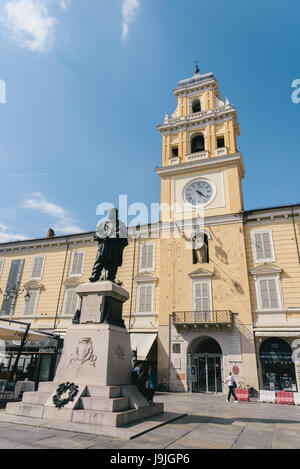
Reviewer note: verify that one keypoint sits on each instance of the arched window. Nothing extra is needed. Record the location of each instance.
(196, 106)
(197, 144)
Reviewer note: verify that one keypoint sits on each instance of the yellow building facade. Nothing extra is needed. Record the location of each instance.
(199, 314)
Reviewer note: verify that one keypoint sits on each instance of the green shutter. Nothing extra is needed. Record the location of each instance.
(13, 282)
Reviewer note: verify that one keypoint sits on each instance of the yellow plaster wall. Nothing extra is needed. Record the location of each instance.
(286, 257)
(230, 288)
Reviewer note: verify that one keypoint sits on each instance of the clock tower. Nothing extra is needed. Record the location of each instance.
(202, 168)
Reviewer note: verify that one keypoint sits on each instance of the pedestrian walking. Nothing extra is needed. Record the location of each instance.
(135, 373)
(151, 384)
(231, 386)
(143, 377)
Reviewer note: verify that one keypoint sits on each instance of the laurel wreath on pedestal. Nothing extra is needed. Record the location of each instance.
(61, 389)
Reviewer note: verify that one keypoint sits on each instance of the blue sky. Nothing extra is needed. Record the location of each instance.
(87, 83)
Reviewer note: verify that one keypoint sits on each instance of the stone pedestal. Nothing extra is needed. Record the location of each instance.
(95, 354)
(97, 358)
(102, 302)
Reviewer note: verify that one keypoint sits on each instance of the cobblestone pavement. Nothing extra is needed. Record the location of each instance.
(211, 423)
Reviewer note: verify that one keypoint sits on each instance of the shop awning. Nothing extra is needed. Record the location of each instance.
(15, 333)
(142, 343)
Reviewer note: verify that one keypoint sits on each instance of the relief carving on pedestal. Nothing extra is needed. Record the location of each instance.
(120, 352)
(84, 352)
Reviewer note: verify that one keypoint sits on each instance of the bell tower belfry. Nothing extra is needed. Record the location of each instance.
(201, 163)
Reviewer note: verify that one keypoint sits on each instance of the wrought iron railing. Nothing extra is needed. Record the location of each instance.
(202, 317)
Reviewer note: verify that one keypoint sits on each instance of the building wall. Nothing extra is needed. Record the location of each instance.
(286, 257)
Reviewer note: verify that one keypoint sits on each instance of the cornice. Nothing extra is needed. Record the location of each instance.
(44, 243)
(33, 284)
(211, 162)
(213, 116)
(266, 269)
(271, 216)
(209, 221)
(72, 282)
(201, 273)
(190, 84)
(146, 277)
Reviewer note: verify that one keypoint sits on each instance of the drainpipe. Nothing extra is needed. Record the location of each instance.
(296, 239)
(132, 276)
(61, 283)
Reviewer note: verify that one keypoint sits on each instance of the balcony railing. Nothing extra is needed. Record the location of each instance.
(202, 317)
(201, 155)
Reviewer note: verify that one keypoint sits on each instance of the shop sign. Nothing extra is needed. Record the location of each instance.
(192, 374)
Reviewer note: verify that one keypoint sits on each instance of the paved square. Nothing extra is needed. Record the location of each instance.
(210, 423)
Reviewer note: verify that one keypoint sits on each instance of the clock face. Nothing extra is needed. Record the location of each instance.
(198, 192)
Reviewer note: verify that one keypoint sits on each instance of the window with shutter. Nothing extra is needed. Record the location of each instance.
(70, 302)
(13, 282)
(30, 306)
(202, 300)
(147, 257)
(269, 294)
(77, 262)
(145, 298)
(37, 267)
(1, 265)
(263, 246)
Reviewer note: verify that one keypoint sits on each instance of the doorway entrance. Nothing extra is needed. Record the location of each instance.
(205, 366)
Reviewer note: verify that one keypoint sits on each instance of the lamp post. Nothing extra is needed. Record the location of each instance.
(13, 293)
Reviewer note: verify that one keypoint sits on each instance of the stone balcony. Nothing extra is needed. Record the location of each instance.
(174, 160)
(202, 155)
(221, 151)
(202, 318)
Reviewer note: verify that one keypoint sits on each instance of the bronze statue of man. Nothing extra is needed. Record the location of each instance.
(112, 238)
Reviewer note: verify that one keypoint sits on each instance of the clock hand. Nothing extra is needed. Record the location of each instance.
(200, 193)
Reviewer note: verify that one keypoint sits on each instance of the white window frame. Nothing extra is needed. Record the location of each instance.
(35, 304)
(65, 302)
(148, 269)
(202, 280)
(42, 269)
(275, 277)
(71, 263)
(266, 259)
(145, 284)
(1, 265)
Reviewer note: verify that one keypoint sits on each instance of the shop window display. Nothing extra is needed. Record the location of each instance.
(278, 369)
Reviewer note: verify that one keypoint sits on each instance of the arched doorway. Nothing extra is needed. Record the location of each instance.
(277, 366)
(205, 366)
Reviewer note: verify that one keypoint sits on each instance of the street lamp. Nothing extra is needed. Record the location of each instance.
(13, 293)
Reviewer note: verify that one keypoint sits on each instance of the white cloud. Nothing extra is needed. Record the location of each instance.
(130, 9)
(64, 224)
(30, 24)
(64, 4)
(6, 236)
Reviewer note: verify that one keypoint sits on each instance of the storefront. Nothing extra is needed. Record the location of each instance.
(37, 361)
(277, 366)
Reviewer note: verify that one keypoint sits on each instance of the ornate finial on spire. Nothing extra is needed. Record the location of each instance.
(197, 68)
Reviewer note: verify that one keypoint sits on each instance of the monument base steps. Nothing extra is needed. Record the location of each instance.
(97, 358)
(97, 405)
